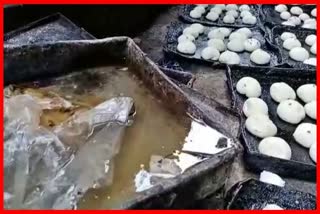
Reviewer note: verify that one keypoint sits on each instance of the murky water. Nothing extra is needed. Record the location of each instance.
(155, 130)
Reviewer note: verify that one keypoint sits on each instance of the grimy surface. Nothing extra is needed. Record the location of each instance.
(212, 83)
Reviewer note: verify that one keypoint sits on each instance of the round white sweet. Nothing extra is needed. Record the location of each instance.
(287, 35)
(231, 7)
(291, 111)
(311, 39)
(246, 31)
(299, 54)
(287, 23)
(251, 20)
(186, 37)
(216, 34)
(306, 134)
(249, 86)
(275, 147)
(216, 10)
(271, 178)
(313, 152)
(313, 48)
(212, 16)
(195, 14)
(237, 35)
(222, 6)
(254, 105)
(285, 15)
(201, 9)
(245, 13)
(225, 31)
(310, 21)
(296, 10)
(251, 45)
(210, 53)
(233, 13)
(228, 19)
(304, 16)
(187, 47)
(217, 43)
(291, 43)
(314, 12)
(307, 92)
(236, 45)
(312, 25)
(311, 109)
(261, 126)
(272, 207)
(295, 20)
(229, 58)
(260, 57)
(280, 8)
(281, 91)
(191, 31)
(244, 7)
(311, 61)
(198, 27)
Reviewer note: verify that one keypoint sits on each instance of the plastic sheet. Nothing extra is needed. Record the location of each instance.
(51, 169)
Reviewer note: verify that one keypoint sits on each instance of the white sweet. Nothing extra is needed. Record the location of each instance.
(233, 13)
(245, 13)
(249, 86)
(291, 111)
(260, 57)
(244, 7)
(229, 58)
(311, 109)
(237, 35)
(313, 48)
(253, 106)
(195, 14)
(210, 53)
(311, 39)
(287, 35)
(311, 61)
(187, 47)
(246, 31)
(198, 27)
(280, 8)
(201, 9)
(291, 43)
(216, 34)
(275, 147)
(310, 26)
(285, 15)
(261, 126)
(304, 16)
(271, 178)
(314, 12)
(225, 31)
(251, 45)
(236, 45)
(186, 37)
(251, 20)
(299, 54)
(216, 10)
(281, 91)
(306, 134)
(228, 19)
(212, 16)
(287, 23)
(217, 43)
(313, 152)
(222, 6)
(307, 92)
(191, 31)
(272, 207)
(294, 20)
(231, 7)
(296, 10)
(310, 21)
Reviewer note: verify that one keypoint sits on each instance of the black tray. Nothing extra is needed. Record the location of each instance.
(301, 36)
(255, 195)
(176, 29)
(55, 27)
(269, 15)
(185, 10)
(300, 166)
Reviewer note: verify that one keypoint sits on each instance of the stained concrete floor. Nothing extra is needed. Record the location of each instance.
(211, 83)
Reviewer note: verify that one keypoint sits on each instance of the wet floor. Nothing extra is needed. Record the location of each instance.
(155, 131)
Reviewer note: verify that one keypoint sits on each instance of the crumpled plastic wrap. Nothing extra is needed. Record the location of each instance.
(52, 169)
